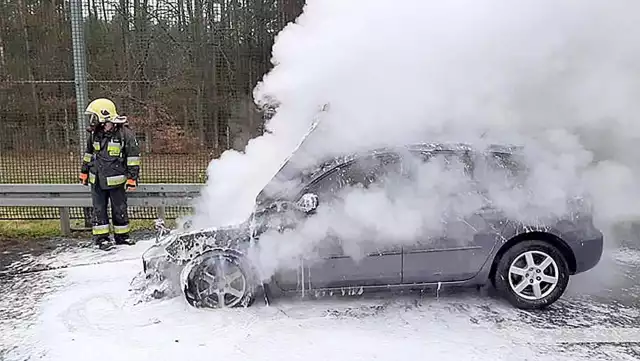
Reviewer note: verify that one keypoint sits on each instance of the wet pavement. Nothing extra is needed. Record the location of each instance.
(598, 317)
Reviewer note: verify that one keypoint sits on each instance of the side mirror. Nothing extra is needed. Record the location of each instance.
(308, 202)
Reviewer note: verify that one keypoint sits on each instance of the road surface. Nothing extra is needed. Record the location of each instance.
(90, 311)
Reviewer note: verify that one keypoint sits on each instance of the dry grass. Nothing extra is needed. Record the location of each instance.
(43, 213)
(64, 168)
(17, 229)
(29, 229)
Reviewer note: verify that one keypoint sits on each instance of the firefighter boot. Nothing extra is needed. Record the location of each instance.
(124, 239)
(105, 243)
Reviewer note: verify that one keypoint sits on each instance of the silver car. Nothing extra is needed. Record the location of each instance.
(529, 264)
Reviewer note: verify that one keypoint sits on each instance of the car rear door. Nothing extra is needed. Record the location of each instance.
(341, 263)
(459, 252)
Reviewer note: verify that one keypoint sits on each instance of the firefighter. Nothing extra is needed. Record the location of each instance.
(111, 165)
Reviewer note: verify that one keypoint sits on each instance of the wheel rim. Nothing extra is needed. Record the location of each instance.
(222, 283)
(533, 275)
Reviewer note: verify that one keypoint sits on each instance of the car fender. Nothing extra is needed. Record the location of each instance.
(562, 234)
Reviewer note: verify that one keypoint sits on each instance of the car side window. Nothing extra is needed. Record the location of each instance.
(508, 164)
(503, 169)
(377, 168)
(362, 171)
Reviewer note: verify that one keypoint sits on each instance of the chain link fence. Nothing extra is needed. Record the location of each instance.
(182, 71)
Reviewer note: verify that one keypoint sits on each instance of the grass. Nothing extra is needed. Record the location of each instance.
(29, 229)
(45, 213)
(37, 229)
(40, 167)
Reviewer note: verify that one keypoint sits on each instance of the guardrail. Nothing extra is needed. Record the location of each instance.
(65, 196)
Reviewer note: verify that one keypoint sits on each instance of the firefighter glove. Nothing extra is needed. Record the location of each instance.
(83, 178)
(131, 185)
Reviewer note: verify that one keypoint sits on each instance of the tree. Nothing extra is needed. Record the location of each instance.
(182, 70)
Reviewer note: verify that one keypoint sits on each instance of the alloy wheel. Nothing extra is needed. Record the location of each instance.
(221, 283)
(533, 275)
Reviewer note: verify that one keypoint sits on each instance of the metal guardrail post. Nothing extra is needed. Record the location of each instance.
(65, 221)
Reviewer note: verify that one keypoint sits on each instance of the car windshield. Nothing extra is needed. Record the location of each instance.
(291, 179)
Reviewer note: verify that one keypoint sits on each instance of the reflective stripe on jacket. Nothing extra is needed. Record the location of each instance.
(111, 157)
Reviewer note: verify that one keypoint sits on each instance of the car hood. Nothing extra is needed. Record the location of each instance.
(186, 246)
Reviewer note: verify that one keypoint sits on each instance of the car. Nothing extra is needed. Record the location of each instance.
(528, 263)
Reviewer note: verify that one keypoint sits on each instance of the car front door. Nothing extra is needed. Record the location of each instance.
(459, 252)
(334, 263)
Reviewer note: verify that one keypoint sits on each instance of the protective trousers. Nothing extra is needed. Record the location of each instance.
(118, 198)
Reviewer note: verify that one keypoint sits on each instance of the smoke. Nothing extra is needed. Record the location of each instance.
(390, 212)
(561, 78)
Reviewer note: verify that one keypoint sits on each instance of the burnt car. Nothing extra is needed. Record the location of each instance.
(529, 263)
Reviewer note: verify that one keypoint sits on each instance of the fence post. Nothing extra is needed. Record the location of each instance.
(80, 78)
(80, 67)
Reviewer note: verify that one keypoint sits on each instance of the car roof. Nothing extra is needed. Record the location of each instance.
(461, 147)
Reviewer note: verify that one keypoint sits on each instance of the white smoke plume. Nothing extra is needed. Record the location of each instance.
(560, 77)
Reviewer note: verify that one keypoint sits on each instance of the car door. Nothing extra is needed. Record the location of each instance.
(334, 266)
(459, 252)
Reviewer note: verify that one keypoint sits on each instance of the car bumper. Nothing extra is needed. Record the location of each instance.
(588, 252)
(162, 275)
(154, 258)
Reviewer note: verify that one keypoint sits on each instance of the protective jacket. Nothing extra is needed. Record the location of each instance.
(111, 157)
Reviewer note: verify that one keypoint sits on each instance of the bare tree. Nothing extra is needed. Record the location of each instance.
(184, 70)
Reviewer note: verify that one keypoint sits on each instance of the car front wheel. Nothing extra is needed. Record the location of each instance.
(219, 279)
(532, 274)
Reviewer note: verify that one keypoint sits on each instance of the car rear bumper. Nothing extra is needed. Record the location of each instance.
(588, 252)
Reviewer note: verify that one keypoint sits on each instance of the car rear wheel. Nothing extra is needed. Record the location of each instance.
(532, 274)
(219, 279)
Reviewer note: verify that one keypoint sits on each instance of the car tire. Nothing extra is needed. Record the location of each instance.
(542, 268)
(203, 287)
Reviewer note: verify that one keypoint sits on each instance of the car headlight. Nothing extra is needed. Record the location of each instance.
(153, 255)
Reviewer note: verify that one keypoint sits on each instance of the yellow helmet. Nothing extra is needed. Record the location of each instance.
(105, 111)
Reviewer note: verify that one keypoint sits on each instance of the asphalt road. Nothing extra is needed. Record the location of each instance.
(606, 299)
